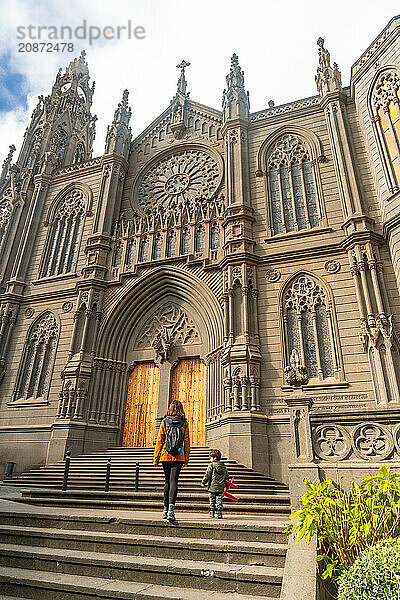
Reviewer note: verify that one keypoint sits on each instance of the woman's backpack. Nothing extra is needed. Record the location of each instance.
(174, 436)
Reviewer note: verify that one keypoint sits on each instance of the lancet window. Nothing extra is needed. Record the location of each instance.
(292, 186)
(38, 356)
(386, 106)
(64, 236)
(309, 328)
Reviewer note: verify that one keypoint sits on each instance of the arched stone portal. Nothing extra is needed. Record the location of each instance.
(171, 322)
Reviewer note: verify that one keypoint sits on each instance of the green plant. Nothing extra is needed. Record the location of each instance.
(348, 522)
(374, 574)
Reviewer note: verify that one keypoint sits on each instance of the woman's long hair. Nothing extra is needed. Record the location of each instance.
(176, 409)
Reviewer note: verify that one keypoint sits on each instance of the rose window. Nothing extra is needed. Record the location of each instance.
(180, 179)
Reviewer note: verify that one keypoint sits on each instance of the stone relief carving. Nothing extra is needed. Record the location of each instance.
(366, 441)
(332, 266)
(273, 275)
(295, 373)
(331, 442)
(170, 327)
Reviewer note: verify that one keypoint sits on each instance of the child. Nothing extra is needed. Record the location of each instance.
(214, 481)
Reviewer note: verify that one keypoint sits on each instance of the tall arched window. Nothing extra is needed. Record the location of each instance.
(60, 142)
(292, 189)
(171, 244)
(185, 241)
(79, 154)
(199, 240)
(386, 106)
(157, 246)
(5, 215)
(144, 250)
(214, 236)
(37, 359)
(117, 256)
(130, 254)
(308, 327)
(64, 235)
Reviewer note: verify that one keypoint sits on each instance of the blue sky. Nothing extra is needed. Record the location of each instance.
(275, 41)
(13, 86)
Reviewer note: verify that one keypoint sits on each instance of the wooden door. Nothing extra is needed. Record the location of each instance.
(141, 406)
(189, 386)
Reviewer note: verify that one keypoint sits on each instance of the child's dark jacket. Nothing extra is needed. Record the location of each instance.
(215, 476)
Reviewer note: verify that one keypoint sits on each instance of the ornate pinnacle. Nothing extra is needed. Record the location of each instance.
(235, 99)
(7, 163)
(123, 112)
(324, 56)
(328, 79)
(182, 83)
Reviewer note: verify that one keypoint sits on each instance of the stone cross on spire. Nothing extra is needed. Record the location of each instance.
(328, 79)
(182, 83)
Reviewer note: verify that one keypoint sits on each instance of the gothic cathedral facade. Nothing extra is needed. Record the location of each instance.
(229, 259)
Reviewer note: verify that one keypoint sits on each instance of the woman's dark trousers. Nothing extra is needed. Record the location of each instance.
(171, 472)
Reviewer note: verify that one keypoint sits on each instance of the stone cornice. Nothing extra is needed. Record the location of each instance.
(375, 49)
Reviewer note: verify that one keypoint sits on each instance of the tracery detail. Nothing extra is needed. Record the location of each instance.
(308, 327)
(64, 236)
(182, 178)
(386, 103)
(171, 326)
(292, 189)
(34, 372)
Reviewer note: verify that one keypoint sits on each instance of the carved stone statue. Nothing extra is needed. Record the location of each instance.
(295, 374)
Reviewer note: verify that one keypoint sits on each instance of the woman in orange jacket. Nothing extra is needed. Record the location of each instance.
(174, 435)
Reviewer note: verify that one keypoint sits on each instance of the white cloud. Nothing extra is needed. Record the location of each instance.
(275, 41)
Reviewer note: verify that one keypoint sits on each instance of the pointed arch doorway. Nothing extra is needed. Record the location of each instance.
(188, 385)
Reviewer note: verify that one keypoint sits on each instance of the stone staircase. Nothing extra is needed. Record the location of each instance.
(79, 554)
(258, 494)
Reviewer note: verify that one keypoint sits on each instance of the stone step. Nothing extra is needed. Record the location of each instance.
(200, 496)
(133, 544)
(280, 510)
(243, 579)
(56, 586)
(141, 524)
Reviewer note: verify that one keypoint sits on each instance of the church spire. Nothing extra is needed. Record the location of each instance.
(179, 103)
(328, 79)
(235, 100)
(118, 137)
(62, 122)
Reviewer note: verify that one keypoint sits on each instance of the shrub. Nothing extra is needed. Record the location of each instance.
(348, 522)
(375, 574)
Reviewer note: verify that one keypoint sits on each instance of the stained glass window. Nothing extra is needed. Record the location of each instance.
(157, 247)
(386, 99)
(292, 187)
(118, 256)
(214, 236)
(64, 236)
(171, 244)
(144, 250)
(185, 241)
(130, 254)
(200, 239)
(308, 326)
(38, 355)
